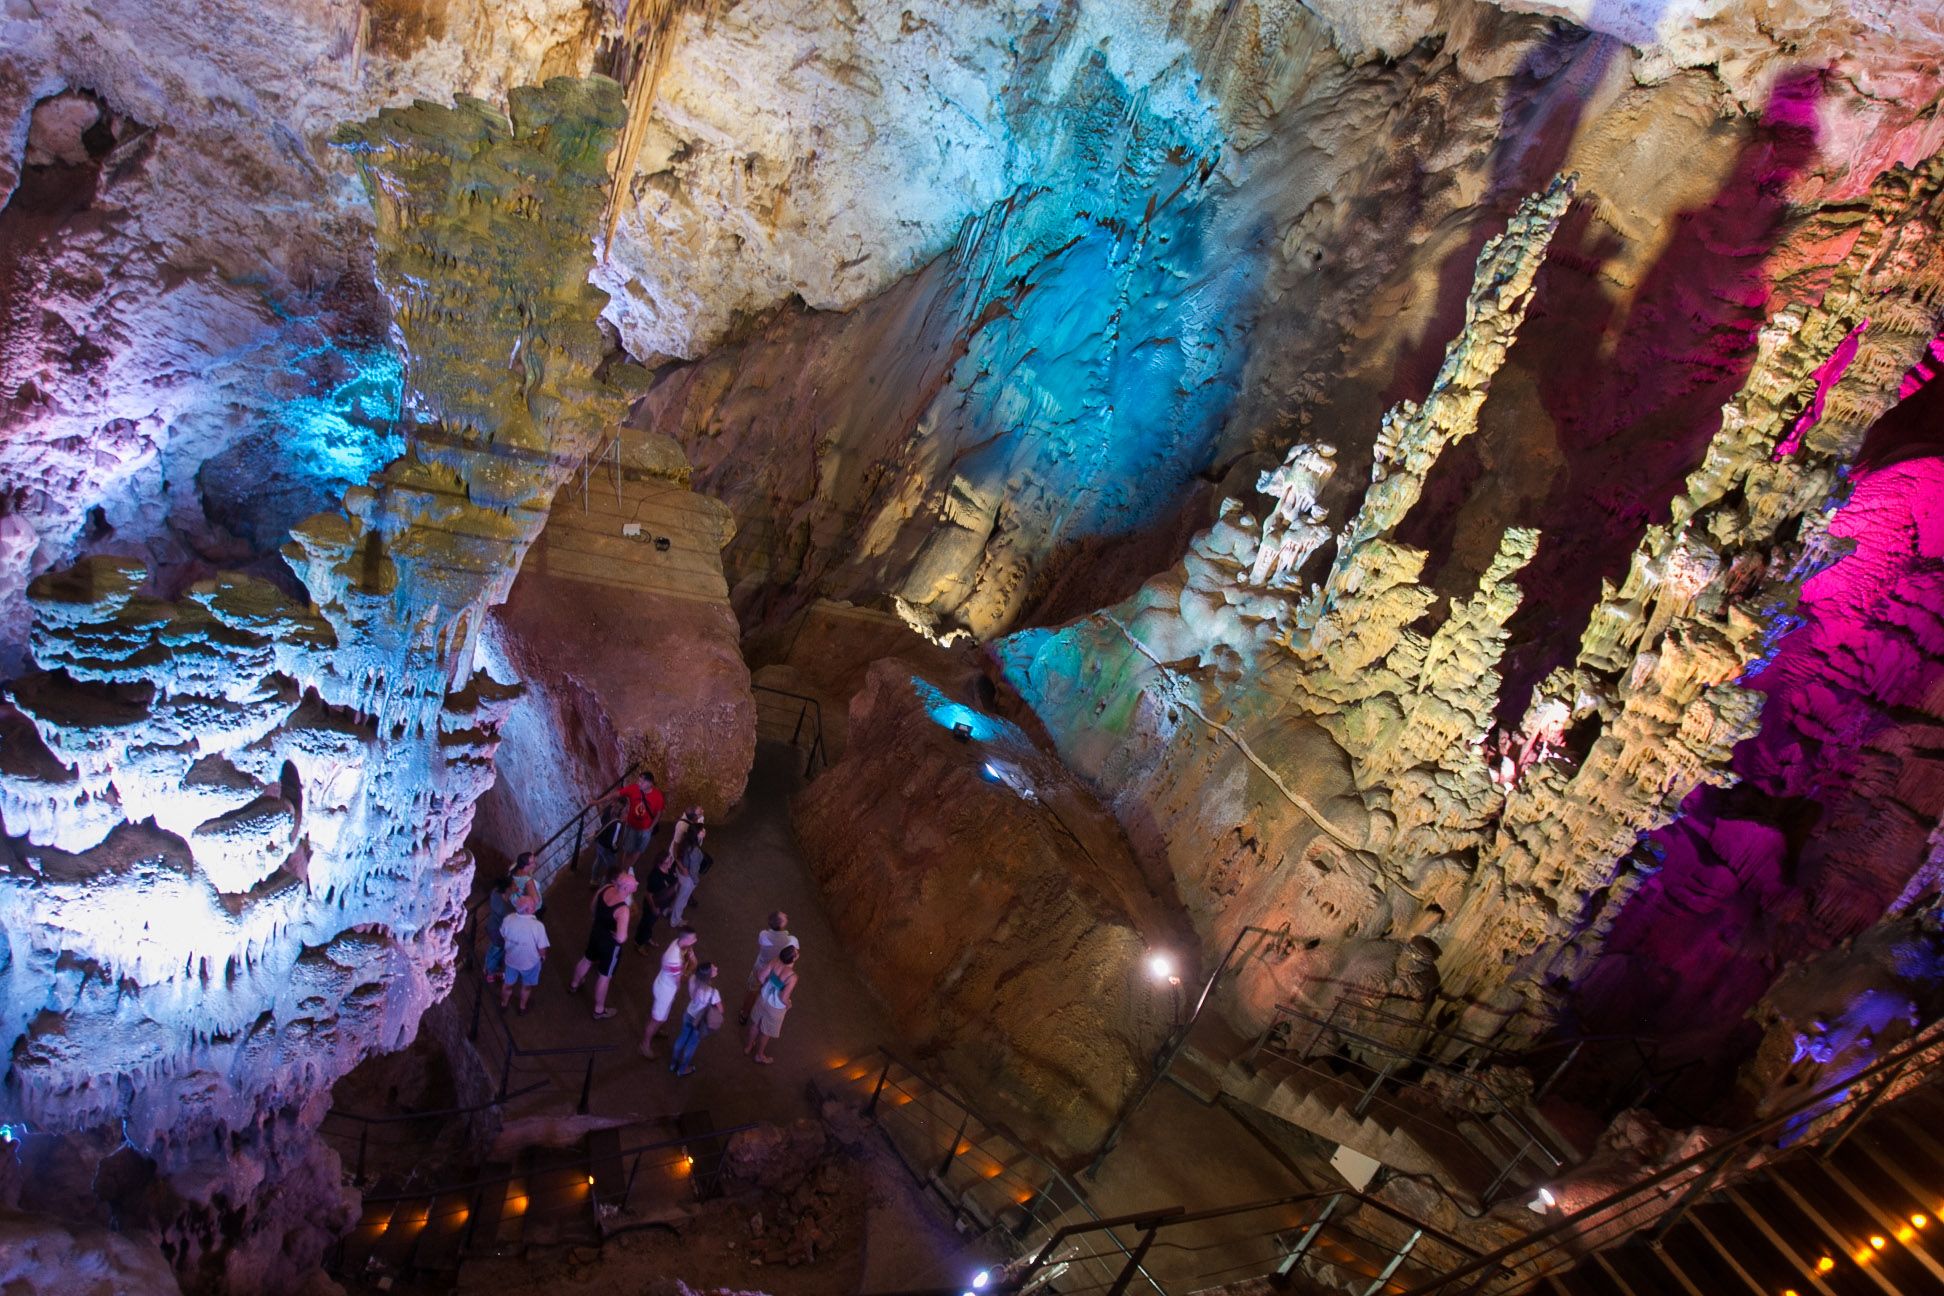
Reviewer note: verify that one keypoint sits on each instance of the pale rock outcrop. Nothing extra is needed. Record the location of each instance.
(235, 864)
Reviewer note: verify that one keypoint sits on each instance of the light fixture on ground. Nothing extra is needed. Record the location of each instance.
(1543, 1202)
(962, 731)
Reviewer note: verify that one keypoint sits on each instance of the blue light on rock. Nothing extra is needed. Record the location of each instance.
(348, 432)
(950, 715)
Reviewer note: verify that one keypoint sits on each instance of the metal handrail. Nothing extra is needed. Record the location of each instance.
(469, 1194)
(365, 1122)
(1711, 1163)
(1053, 1175)
(1643, 1047)
(1533, 1142)
(514, 1051)
(543, 873)
(1152, 1222)
(807, 709)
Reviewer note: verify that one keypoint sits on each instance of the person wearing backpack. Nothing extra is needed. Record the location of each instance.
(641, 805)
(691, 862)
(607, 847)
(701, 1019)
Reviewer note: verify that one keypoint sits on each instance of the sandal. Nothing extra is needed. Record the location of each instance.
(761, 1061)
(602, 1014)
(685, 1071)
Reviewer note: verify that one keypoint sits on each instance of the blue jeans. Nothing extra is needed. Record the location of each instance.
(693, 1033)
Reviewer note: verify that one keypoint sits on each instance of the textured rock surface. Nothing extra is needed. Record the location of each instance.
(1514, 879)
(993, 905)
(237, 867)
(640, 637)
(40, 1254)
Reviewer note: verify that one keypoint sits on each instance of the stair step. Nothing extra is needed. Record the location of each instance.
(1890, 1188)
(1697, 1266)
(442, 1240)
(1798, 1235)
(1885, 1219)
(1743, 1249)
(609, 1170)
(1890, 1267)
(705, 1150)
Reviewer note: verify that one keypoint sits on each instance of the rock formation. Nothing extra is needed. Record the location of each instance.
(240, 867)
(955, 879)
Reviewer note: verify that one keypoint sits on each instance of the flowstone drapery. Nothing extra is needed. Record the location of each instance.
(237, 821)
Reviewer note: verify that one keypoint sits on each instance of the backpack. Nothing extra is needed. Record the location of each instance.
(609, 838)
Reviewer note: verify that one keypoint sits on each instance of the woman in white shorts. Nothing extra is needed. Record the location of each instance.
(677, 961)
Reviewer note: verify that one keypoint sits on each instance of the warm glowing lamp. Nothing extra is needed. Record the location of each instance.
(1876, 1240)
(1160, 966)
(1919, 1220)
(1825, 1264)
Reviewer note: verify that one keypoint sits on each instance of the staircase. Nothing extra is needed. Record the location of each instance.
(1031, 1215)
(1360, 1091)
(990, 1180)
(544, 1196)
(1861, 1219)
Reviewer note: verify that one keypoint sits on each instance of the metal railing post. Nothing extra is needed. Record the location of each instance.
(1383, 1279)
(364, 1138)
(1858, 1112)
(1301, 1249)
(1505, 1172)
(951, 1153)
(1316, 1036)
(587, 1086)
(1572, 1055)
(580, 824)
(506, 1069)
(1383, 1074)
(1262, 1040)
(1703, 1185)
(479, 999)
(1133, 1265)
(870, 1108)
(797, 732)
(627, 1191)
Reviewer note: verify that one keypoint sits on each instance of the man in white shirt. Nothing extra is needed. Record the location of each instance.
(525, 939)
(770, 942)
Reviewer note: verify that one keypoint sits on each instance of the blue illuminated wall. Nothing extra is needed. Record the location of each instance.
(336, 432)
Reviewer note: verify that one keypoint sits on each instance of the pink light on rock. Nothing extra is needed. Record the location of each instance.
(1828, 374)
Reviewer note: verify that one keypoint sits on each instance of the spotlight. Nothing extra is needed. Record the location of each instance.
(991, 772)
(962, 731)
(661, 544)
(1919, 1220)
(1542, 1203)
(1161, 967)
(980, 1279)
(1825, 1264)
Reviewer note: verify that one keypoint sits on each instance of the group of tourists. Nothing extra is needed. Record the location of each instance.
(517, 941)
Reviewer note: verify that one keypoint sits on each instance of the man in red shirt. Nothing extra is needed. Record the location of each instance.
(641, 809)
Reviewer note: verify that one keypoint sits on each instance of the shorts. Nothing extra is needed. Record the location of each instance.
(604, 952)
(767, 1019)
(635, 840)
(523, 976)
(665, 988)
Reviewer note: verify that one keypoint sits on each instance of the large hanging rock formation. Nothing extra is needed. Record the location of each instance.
(239, 868)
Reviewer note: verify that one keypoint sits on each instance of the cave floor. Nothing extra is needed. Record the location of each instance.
(832, 1021)
(1174, 1151)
